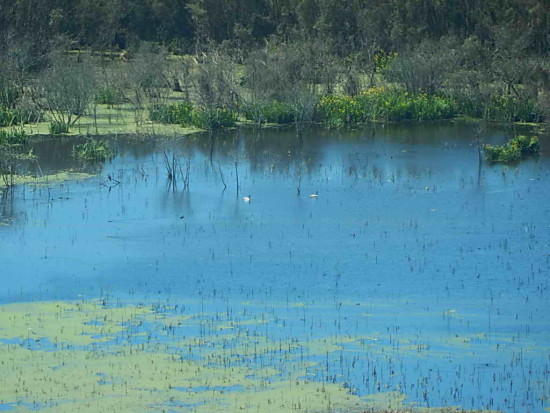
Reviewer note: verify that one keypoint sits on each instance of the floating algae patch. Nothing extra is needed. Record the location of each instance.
(92, 365)
(62, 176)
(93, 356)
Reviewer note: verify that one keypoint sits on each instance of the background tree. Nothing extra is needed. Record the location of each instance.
(64, 91)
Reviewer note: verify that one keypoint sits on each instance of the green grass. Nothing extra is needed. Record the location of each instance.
(121, 119)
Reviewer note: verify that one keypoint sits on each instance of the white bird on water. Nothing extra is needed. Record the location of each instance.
(315, 195)
(247, 198)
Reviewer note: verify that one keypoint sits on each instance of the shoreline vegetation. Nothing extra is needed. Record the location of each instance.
(92, 96)
(172, 68)
(139, 66)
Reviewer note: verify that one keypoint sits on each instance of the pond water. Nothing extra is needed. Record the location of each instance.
(417, 277)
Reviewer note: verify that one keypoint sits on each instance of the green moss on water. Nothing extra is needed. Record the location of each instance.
(62, 176)
(89, 356)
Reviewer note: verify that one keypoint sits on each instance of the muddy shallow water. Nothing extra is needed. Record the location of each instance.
(418, 276)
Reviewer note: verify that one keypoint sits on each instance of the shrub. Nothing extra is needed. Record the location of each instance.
(512, 109)
(384, 104)
(213, 118)
(9, 94)
(8, 116)
(17, 116)
(180, 113)
(270, 112)
(528, 145)
(513, 150)
(12, 151)
(13, 137)
(109, 96)
(58, 127)
(338, 111)
(94, 150)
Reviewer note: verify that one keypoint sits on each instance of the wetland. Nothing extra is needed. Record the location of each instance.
(416, 280)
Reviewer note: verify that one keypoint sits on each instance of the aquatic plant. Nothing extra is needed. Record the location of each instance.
(19, 115)
(213, 118)
(186, 114)
(513, 150)
(7, 116)
(12, 152)
(180, 113)
(381, 103)
(507, 108)
(271, 112)
(94, 150)
(58, 127)
(13, 137)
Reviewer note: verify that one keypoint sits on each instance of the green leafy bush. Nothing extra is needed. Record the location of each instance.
(213, 118)
(382, 103)
(513, 150)
(58, 127)
(185, 114)
(270, 112)
(13, 137)
(8, 116)
(180, 113)
(9, 95)
(109, 96)
(18, 116)
(512, 109)
(94, 150)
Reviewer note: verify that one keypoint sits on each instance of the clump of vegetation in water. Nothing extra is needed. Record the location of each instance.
(14, 110)
(185, 114)
(58, 127)
(498, 107)
(180, 113)
(505, 108)
(12, 152)
(7, 116)
(382, 103)
(13, 137)
(513, 150)
(213, 118)
(269, 112)
(94, 150)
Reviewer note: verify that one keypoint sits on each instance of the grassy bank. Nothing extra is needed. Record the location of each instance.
(104, 120)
